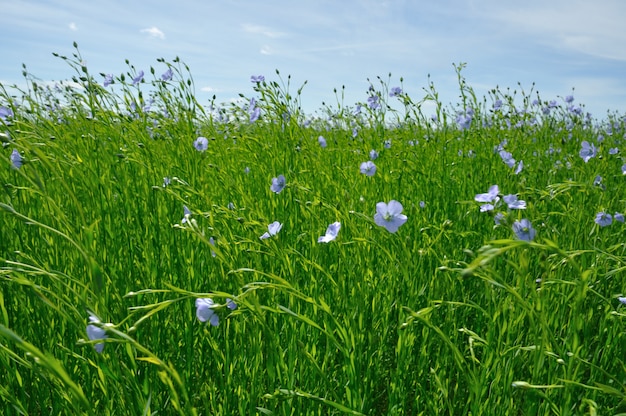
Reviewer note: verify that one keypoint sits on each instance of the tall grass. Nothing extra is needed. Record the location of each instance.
(452, 314)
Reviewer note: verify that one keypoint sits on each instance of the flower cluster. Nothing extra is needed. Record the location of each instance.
(491, 199)
(604, 219)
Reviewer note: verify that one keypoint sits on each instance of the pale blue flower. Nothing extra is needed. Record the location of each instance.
(613, 151)
(373, 103)
(373, 154)
(255, 113)
(524, 230)
(368, 168)
(16, 159)
(205, 311)
(507, 158)
(167, 75)
(494, 190)
(387, 144)
(422, 204)
(520, 166)
(322, 141)
(166, 181)
(499, 219)
(257, 78)
(5, 112)
(395, 91)
(389, 215)
(618, 217)
(253, 110)
(464, 121)
(624, 169)
(230, 304)
(587, 151)
(272, 230)
(331, 233)
(603, 219)
(278, 184)
(187, 215)
(138, 78)
(598, 180)
(108, 80)
(201, 144)
(514, 203)
(622, 299)
(95, 333)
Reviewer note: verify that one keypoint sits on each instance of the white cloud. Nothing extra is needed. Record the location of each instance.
(595, 29)
(262, 30)
(154, 32)
(73, 27)
(266, 50)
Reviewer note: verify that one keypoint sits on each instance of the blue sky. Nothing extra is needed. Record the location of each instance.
(558, 44)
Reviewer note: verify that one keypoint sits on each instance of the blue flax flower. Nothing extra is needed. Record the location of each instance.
(201, 144)
(205, 311)
(624, 169)
(167, 75)
(331, 233)
(524, 230)
(622, 300)
(253, 110)
(257, 78)
(138, 78)
(373, 154)
(5, 112)
(507, 158)
(108, 80)
(368, 168)
(603, 219)
(491, 198)
(278, 184)
(322, 141)
(96, 333)
(618, 217)
(395, 91)
(16, 159)
(373, 102)
(186, 215)
(514, 203)
(272, 229)
(587, 151)
(389, 215)
(230, 304)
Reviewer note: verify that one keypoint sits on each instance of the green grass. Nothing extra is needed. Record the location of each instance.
(449, 315)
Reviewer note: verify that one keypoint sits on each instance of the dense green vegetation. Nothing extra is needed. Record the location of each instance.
(115, 207)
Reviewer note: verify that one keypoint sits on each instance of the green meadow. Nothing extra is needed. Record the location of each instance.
(124, 208)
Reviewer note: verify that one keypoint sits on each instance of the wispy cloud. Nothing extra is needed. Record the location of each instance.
(73, 27)
(266, 50)
(154, 32)
(262, 30)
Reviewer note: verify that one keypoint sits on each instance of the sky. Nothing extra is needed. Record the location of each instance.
(564, 47)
